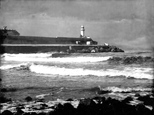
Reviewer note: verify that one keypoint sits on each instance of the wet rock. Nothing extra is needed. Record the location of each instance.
(42, 113)
(7, 112)
(70, 99)
(99, 100)
(4, 99)
(26, 114)
(28, 98)
(19, 111)
(127, 100)
(3, 90)
(142, 110)
(103, 92)
(87, 107)
(147, 100)
(59, 109)
(33, 113)
(49, 113)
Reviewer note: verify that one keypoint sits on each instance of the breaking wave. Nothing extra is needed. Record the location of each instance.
(138, 73)
(126, 89)
(114, 89)
(128, 72)
(48, 58)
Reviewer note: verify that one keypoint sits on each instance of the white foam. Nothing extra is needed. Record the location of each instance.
(119, 90)
(33, 55)
(48, 58)
(5, 67)
(138, 73)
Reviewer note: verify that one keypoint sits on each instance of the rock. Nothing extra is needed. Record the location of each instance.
(86, 107)
(33, 113)
(127, 100)
(147, 100)
(142, 110)
(26, 114)
(99, 100)
(28, 98)
(4, 99)
(19, 111)
(3, 90)
(49, 113)
(7, 112)
(69, 99)
(103, 92)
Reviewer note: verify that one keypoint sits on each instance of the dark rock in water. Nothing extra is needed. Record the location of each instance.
(60, 55)
(87, 107)
(8, 89)
(86, 102)
(137, 95)
(66, 109)
(26, 114)
(49, 113)
(127, 100)
(103, 92)
(33, 113)
(28, 98)
(99, 100)
(7, 112)
(40, 100)
(69, 99)
(142, 110)
(42, 113)
(19, 111)
(147, 100)
(3, 90)
(4, 99)
(59, 107)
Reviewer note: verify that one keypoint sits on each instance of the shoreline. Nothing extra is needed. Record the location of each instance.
(137, 104)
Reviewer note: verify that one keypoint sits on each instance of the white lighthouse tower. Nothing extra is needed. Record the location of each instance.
(82, 33)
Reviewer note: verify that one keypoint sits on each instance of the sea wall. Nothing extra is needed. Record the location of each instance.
(43, 40)
(58, 48)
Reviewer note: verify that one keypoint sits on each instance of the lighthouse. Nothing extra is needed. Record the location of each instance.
(82, 33)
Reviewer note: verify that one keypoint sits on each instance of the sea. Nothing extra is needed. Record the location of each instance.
(77, 75)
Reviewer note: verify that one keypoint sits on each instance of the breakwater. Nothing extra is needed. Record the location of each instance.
(68, 48)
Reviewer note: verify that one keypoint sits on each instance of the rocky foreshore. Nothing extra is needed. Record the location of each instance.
(100, 105)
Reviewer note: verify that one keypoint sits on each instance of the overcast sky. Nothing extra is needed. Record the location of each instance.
(128, 24)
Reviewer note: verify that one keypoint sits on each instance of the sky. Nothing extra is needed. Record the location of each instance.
(128, 24)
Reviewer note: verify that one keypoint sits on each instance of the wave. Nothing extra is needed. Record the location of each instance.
(127, 72)
(113, 89)
(126, 89)
(20, 55)
(131, 60)
(138, 73)
(48, 58)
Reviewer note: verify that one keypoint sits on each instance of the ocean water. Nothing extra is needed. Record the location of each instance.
(79, 75)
